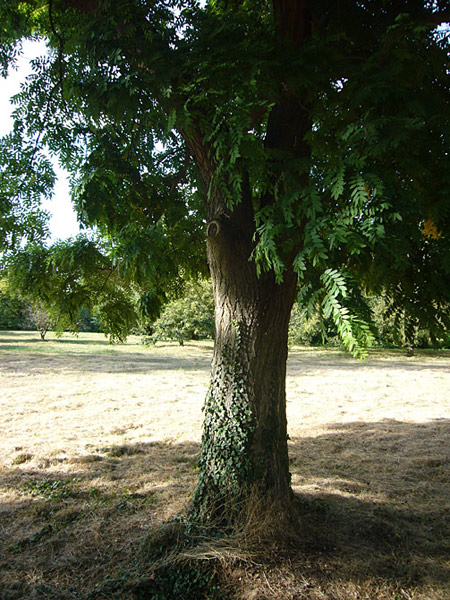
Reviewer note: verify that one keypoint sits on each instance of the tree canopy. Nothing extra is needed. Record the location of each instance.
(336, 119)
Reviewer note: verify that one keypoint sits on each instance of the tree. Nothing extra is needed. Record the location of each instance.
(190, 317)
(307, 141)
(60, 281)
(39, 318)
(11, 308)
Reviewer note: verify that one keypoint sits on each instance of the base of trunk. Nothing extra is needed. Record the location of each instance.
(251, 506)
(244, 461)
(261, 526)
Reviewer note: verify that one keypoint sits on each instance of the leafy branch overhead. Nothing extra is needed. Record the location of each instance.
(319, 131)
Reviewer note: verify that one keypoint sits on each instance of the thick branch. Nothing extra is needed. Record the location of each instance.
(86, 6)
(293, 20)
(289, 119)
(438, 18)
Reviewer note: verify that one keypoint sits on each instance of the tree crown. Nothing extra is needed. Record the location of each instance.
(320, 130)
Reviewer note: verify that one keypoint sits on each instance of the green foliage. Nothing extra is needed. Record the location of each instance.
(306, 330)
(71, 276)
(333, 131)
(26, 178)
(11, 308)
(190, 317)
(389, 330)
(49, 489)
(87, 320)
(397, 328)
(335, 298)
(19, 313)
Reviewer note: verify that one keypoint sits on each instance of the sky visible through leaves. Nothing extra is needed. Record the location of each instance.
(63, 221)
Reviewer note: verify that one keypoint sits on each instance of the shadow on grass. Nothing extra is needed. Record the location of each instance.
(74, 528)
(373, 502)
(7, 341)
(122, 362)
(377, 500)
(115, 361)
(310, 364)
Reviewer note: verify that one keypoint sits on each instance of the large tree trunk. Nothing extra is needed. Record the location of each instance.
(244, 459)
(244, 454)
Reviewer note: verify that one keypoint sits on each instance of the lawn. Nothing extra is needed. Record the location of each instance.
(98, 447)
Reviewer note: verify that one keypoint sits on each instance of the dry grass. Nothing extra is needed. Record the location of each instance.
(98, 447)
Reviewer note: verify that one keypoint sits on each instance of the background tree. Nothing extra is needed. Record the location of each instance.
(60, 281)
(190, 317)
(11, 308)
(308, 140)
(39, 318)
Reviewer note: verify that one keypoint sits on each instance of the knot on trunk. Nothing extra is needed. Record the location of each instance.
(213, 229)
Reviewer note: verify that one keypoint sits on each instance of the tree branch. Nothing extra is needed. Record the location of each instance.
(293, 20)
(86, 6)
(60, 39)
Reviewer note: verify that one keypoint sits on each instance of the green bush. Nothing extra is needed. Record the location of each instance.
(88, 320)
(11, 309)
(304, 331)
(385, 324)
(309, 331)
(392, 332)
(190, 317)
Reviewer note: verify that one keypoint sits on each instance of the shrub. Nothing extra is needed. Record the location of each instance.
(392, 331)
(190, 317)
(88, 320)
(11, 310)
(304, 331)
(309, 331)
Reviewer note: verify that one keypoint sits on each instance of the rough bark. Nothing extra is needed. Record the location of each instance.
(244, 447)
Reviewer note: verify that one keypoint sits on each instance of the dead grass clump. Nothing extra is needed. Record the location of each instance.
(22, 458)
(123, 450)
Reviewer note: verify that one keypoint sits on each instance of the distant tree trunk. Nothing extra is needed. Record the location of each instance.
(244, 454)
(39, 318)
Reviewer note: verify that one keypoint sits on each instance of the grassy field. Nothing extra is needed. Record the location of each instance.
(98, 446)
